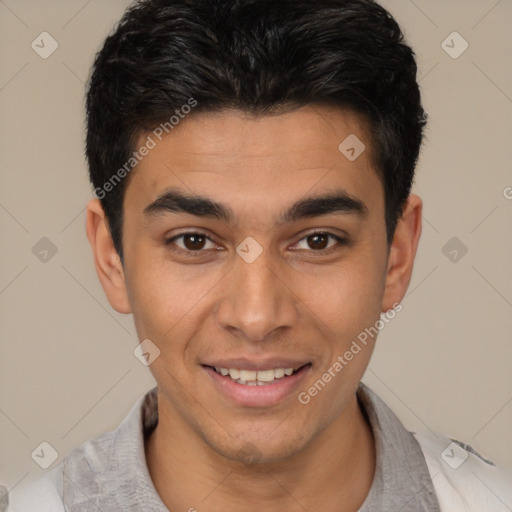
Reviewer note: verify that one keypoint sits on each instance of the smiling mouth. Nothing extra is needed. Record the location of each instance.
(259, 377)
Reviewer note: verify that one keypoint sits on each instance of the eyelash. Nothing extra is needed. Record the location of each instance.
(169, 242)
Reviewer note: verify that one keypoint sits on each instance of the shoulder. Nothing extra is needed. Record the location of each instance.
(88, 469)
(465, 481)
(44, 494)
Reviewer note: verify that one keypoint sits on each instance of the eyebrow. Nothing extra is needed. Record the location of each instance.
(176, 201)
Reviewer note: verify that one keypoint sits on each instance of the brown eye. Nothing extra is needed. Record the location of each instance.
(318, 241)
(194, 242)
(190, 242)
(321, 241)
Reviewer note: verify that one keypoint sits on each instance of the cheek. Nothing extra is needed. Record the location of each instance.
(165, 297)
(346, 297)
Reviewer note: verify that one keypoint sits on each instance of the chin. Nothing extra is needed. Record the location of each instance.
(252, 452)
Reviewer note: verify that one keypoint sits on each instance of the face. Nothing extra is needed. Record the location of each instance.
(253, 246)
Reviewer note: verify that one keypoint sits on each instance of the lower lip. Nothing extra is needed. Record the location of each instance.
(258, 396)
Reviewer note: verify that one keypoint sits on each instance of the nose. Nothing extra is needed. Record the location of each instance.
(257, 299)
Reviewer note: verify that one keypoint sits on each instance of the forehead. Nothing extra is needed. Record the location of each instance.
(259, 160)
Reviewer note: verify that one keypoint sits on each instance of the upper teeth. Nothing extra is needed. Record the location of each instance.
(256, 376)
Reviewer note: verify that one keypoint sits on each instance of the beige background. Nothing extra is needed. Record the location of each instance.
(67, 369)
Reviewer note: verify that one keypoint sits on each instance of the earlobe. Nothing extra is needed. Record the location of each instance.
(106, 259)
(402, 252)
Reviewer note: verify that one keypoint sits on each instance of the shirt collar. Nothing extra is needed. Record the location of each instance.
(401, 481)
(109, 473)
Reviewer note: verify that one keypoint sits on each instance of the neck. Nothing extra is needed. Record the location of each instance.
(334, 472)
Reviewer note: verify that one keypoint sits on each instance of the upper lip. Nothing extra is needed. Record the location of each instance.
(262, 364)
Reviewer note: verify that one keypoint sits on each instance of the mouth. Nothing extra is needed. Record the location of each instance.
(257, 387)
(257, 377)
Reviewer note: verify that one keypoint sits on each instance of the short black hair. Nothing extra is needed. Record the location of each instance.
(166, 57)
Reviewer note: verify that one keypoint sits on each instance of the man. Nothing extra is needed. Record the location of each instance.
(252, 162)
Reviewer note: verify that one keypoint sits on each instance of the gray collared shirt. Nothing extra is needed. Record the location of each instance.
(110, 474)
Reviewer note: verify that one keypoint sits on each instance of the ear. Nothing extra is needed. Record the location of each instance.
(402, 252)
(107, 261)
